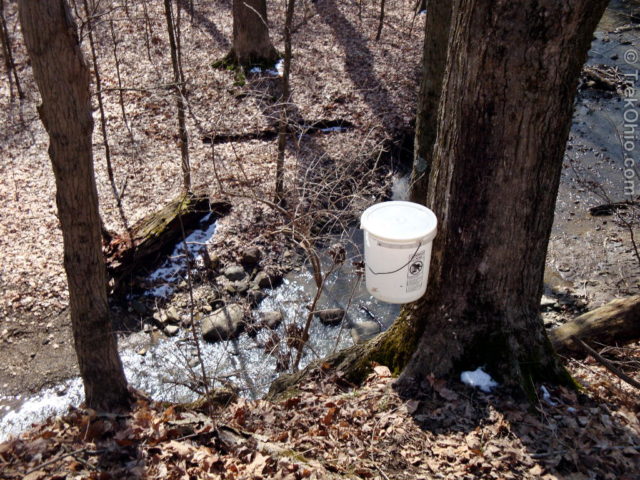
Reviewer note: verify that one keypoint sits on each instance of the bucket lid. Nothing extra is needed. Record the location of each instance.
(399, 221)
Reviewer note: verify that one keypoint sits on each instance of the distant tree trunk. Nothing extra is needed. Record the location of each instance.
(251, 42)
(503, 124)
(282, 133)
(63, 80)
(7, 53)
(434, 62)
(380, 21)
(178, 80)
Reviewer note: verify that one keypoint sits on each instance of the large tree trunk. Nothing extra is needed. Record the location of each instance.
(63, 80)
(251, 42)
(503, 123)
(434, 62)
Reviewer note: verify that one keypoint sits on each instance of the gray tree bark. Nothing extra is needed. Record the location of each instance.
(503, 123)
(251, 42)
(63, 80)
(434, 62)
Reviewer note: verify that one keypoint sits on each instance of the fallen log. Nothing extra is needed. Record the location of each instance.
(616, 323)
(153, 236)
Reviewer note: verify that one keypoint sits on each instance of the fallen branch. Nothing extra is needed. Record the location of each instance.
(64, 455)
(607, 364)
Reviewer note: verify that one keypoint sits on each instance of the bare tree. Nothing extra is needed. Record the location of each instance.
(7, 53)
(503, 123)
(117, 196)
(251, 42)
(434, 62)
(286, 97)
(179, 88)
(63, 80)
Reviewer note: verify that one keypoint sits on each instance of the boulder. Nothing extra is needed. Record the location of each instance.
(262, 280)
(171, 330)
(363, 331)
(242, 286)
(210, 258)
(225, 323)
(266, 280)
(255, 296)
(251, 256)
(330, 316)
(172, 315)
(235, 273)
(270, 320)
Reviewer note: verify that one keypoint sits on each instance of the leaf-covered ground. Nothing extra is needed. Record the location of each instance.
(327, 430)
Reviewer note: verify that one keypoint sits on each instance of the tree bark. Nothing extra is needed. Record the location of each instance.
(251, 42)
(63, 80)
(616, 323)
(503, 123)
(434, 62)
(286, 98)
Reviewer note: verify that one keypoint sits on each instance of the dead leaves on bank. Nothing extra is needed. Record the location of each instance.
(325, 432)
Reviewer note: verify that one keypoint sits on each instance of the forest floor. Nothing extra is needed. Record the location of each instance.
(339, 73)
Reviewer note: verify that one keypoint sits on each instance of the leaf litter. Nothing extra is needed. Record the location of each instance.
(326, 430)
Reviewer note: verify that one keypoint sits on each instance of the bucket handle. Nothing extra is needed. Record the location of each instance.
(398, 269)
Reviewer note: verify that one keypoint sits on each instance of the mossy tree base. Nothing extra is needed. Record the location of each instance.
(392, 348)
(232, 62)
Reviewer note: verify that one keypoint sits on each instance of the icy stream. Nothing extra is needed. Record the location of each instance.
(165, 367)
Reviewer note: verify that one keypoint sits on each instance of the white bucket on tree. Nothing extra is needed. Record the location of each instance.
(397, 250)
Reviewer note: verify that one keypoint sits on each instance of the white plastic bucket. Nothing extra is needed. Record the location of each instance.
(397, 250)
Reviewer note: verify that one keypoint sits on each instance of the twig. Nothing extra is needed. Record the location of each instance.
(205, 379)
(606, 363)
(598, 448)
(65, 455)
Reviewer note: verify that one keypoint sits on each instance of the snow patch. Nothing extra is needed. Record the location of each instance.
(174, 267)
(546, 396)
(478, 379)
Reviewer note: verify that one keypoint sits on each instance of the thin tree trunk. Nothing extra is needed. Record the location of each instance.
(381, 21)
(63, 80)
(103, 120)
(251, 42)
(282, 134)
(7, 53)
(147, 28)
(178, 80)
(503, 123)
(434, 62)
(116, 59)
